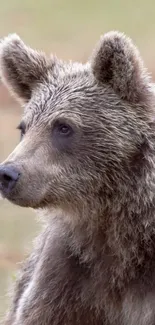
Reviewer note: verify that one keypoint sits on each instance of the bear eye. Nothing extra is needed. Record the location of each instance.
(63, 129)
(22, 129)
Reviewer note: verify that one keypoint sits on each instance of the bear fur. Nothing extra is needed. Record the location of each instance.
(87, 163)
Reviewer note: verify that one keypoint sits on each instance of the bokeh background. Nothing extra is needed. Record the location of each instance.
(69, 28)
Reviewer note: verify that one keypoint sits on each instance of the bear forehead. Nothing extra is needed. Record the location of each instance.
(69, 90)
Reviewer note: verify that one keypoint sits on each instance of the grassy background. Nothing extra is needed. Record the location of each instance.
(70, 29)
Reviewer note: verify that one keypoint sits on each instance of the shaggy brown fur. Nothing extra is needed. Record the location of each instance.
(87, 161)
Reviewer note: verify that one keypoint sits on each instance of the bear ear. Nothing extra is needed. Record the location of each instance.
(116, 62)
(21, 68)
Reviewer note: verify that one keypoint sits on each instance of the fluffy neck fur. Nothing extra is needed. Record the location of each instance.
(119, 241)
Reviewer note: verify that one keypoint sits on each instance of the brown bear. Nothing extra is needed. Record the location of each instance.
(86, 161)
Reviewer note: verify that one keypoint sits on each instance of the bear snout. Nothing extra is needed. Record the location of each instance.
(9, 176)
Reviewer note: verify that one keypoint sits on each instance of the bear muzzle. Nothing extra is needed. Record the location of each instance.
(9, 176)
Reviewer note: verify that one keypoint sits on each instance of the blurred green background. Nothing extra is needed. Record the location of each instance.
(69, 28)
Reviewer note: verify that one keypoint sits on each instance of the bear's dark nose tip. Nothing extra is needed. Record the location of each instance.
(8, 177)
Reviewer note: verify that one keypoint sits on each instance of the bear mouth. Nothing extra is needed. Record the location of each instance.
(6, 194)
(15, 197)
(3, 192)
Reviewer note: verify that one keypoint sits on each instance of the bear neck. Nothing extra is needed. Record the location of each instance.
(121, 235)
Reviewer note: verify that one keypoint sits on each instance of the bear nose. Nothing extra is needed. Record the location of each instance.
(8, 177)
